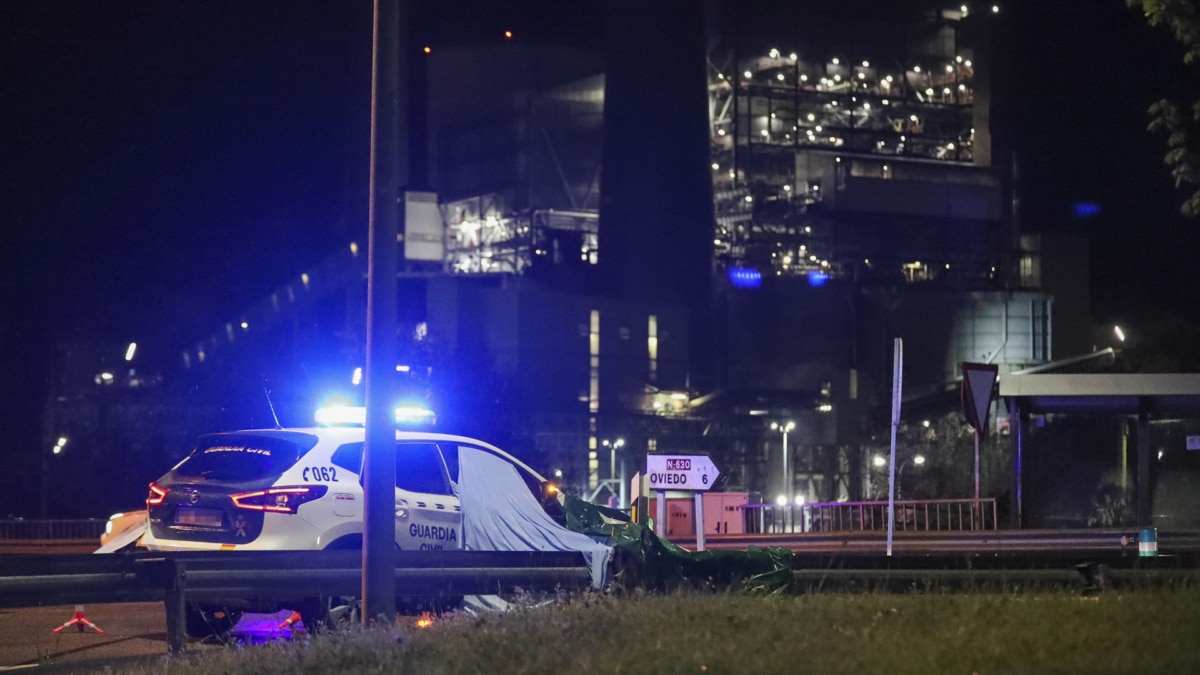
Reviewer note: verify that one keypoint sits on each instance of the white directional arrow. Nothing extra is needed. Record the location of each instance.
(696, 473)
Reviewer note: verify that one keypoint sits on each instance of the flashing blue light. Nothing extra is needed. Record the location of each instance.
(817, 279)
(408, 414)
(338, 414)
(1085, 209)
(745, 277)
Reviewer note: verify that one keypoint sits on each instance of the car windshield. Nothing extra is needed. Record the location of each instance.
(243, 457)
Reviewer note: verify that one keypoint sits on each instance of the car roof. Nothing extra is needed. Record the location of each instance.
(341, 435)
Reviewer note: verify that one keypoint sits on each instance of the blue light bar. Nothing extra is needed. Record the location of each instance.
(342, 415)
(817, 279)
(745, 277)
(408, 414)
(1085, 209)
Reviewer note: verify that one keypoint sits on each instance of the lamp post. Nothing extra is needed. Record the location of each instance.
(56, 450)
(613, 446)
(917, 459)
(784, 428)
(880, 461)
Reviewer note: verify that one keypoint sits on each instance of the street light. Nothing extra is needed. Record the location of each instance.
(55, 450)
(613, 446)
(783, 429)
(918, 460)
(881, 461)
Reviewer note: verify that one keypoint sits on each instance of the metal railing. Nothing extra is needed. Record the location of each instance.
(911, 515)
(282, 576)
(52, 529)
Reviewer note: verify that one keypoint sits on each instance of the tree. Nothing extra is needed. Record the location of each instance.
(1167, 116)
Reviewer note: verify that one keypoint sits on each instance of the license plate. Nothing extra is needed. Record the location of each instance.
(186, 515)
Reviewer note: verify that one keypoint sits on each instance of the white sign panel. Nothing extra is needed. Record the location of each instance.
(681, 472)
(1193, 442)
(423, 228)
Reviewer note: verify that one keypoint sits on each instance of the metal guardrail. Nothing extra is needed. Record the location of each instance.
(18, 529)
(911, 515)
(280, 576)
(1114, 541)
(1088, 576)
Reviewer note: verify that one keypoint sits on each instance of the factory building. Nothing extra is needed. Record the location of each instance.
(717, 227)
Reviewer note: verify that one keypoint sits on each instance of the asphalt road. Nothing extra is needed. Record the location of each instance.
(132, 632)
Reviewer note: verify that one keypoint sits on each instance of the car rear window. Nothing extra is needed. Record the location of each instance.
(244, 457)
(349, 457)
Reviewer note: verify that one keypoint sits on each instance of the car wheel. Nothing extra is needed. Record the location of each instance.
(204, 621)
(330, 612)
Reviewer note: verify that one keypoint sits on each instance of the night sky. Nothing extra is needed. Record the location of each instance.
(1086, 72)
(162, 164)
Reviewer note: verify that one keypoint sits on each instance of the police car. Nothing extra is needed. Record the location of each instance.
(301, 489)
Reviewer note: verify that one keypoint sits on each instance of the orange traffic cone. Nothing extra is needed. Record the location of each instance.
(291, 621)
(80, 620)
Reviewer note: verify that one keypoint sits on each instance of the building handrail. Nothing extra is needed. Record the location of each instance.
(926, 515)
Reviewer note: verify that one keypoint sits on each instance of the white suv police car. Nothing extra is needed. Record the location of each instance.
(301, 489)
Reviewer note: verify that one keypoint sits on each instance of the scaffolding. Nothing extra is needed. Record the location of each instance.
(484, 236)
(790, 126)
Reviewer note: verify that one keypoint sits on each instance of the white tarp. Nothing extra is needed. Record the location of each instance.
(130, 535)
(500, 514)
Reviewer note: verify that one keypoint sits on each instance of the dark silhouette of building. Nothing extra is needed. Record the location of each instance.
(720, 223)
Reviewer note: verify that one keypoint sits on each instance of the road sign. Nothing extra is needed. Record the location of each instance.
(978, 380)
(977, 383)
(696, 473)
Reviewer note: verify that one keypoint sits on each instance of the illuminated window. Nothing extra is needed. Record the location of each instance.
(594, 362)
(652, 346)
(1031, 271)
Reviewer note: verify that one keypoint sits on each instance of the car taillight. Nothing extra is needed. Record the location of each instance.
(278, 499)
(157, 494)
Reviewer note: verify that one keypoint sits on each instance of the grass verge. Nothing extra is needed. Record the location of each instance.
(1143, 632)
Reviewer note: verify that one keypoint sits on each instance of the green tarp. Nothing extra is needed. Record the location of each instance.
(643, 560)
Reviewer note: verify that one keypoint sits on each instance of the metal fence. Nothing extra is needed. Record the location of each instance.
(52, 529)
(915, 515)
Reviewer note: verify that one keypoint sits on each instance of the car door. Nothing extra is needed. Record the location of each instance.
(427, 511)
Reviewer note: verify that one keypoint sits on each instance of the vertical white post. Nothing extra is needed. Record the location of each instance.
(660, 518)
(787, 471)
(897, 372)
(975, 507)
(699, 520)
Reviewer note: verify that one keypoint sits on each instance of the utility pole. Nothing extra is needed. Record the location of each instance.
(379, 457)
